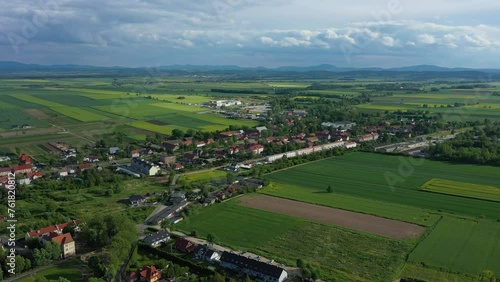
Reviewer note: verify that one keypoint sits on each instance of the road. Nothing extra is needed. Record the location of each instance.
(119, 274)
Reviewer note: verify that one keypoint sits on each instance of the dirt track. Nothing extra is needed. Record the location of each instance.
(358, 221)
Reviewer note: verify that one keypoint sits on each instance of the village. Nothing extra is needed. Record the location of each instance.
(237, 152)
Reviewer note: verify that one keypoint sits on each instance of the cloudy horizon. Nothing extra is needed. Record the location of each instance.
(248, 33)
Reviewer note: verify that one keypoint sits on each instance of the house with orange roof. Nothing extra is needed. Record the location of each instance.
(67, 245)
(145, 274)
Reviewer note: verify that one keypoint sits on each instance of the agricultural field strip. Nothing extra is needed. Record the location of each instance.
(357, 221)
(342, 173)
(462, 189)
(460, 245)
(73, 112)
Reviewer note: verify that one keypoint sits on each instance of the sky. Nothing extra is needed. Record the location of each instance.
(251, 33)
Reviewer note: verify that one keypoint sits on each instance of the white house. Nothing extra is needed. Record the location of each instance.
(157, 238)
(351, 145)
(260, 270)
(4, 159)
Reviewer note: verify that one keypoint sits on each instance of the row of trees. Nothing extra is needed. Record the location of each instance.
(115, 233)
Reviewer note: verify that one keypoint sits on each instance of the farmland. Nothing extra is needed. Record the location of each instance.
(462, 189)
(357, 221)
(338, 254)
(459, 208)
(368, 177)
(460, 245)
(74, 103)
(478, 104)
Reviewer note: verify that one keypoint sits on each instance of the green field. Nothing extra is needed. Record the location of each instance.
(365, 179)
(462, 189)
(461, 245)
(212, 175)
(340, 255)
(479, 104)
(72, 112)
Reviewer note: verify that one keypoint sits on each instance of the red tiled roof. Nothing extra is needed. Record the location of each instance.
(184, 245)
(149, 272)
(256, 147)
(21, 167)
(84, 166)
(63, 239)
(35, 174)
(48, 230)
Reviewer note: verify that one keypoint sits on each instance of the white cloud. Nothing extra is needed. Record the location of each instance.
(388, 41)
(426, 39)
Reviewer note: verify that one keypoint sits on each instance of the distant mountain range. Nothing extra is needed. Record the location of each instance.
(9, 66)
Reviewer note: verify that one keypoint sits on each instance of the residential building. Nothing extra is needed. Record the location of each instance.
(172, 145)
(113, 150)
(58, 228)
(168, 159)
(145, 274)
(157, 238)
(256, 149)
(184, 245)
(135, 153)
(144, 167)
(208, 254)
(136, 200)
(368, 137)
(351, 145)
(4, 159)
(260, 270)
(67, 245)
(177, 166)
(25, 159)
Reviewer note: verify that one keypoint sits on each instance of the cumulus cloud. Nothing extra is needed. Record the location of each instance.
(267, 28)
(426, 39)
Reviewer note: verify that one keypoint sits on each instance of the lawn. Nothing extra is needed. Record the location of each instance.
(461, 245)
(338, 254)
(68, 269)
(469, 190)
(362, 182)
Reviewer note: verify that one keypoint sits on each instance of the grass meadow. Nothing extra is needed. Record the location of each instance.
(338, 254)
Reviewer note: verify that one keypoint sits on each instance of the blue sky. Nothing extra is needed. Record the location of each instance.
(356, 33)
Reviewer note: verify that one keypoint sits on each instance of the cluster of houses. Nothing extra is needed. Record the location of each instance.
(55, 233)
(262, 271)
(25, 172)
(65, 150)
